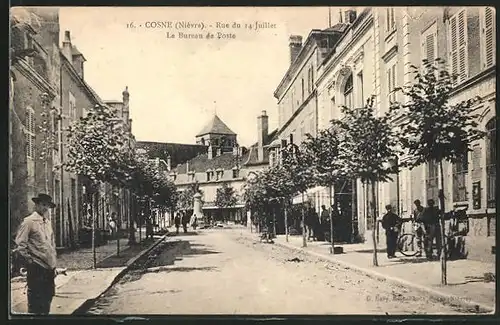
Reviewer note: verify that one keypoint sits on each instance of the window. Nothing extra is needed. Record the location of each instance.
(488, 30)
(303, 90)
(391, 83)
(360, 90)
(209, 176)
(429, 44)
(491, 162)
(390, 23)
(236, 173)
(460, 171)
(30, 133)
(72, 107)
(457, 35)
(348, 100)
(432, 181)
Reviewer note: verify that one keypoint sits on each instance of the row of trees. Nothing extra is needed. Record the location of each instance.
(100, 148)
(366, 145)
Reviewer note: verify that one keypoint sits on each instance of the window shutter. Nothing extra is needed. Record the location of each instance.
(462, 49)
(489, 37)
(453, 41)
(430, 51)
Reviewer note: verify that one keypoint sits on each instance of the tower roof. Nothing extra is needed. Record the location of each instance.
(216, 126)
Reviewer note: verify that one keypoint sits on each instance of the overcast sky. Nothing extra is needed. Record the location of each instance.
(176, 85)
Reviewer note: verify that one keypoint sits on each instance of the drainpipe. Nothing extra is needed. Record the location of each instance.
(61, 153)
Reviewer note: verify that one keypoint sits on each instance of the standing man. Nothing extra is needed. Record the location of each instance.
(36, 246)
(420, 231)
(177, 222)
(391, 223)
(430, 218)
(185, 221)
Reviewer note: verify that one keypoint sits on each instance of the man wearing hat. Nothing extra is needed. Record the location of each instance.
(37, 247)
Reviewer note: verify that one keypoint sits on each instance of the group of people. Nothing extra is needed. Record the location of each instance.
(428, 228)
(184, 219)
(315, 224)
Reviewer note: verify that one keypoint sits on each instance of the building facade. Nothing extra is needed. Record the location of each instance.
(372, 56)
(33, 103)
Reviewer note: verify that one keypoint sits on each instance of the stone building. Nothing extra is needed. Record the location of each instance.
(373, 55)
(216, 158)
(33, 106)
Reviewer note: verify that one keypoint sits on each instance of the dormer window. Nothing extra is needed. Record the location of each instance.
(210, 173)
(192, 175)
(173, 176)
(236, 172)
(219, 173)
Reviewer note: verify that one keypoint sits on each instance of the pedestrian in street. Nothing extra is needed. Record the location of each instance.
(185, 221)
(308, 222)
(430, 218)
(112, 225)
(36, 246)
(193, 221)
(325, 221)
(419, 226)
(391, 223)
(315, 223)
(149, 228)
(177, 222)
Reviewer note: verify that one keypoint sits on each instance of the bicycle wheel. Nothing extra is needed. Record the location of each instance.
(407, 245)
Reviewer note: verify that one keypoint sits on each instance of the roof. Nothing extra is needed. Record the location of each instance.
(75, 52)
(216, 126)
(252, 158)
(201, 163)
(179, 153)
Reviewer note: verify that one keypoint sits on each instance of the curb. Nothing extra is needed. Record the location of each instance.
(448, 298)
(89, 302)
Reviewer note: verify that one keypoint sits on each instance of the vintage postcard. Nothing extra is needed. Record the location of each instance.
(252, 160)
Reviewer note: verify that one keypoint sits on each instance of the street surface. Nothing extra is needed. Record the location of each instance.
(220, 272)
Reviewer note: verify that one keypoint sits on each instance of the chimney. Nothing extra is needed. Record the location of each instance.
(66, 50)
(262, 132)
(125, 108)
(169, 163)
(210, 152)
(350, 16)
(295, 44)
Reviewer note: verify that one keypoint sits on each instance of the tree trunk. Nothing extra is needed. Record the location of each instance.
(443, 238)
(332, 237)
(118, 226)
(286, 219)
(375, 225)
(304, 229)
(132, 213)
(94, 258)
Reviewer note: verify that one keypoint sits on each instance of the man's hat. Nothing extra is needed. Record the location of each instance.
(44, 198)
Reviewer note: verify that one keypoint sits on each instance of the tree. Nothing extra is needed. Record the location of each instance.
(98, 150)
(292, 177)
(323, 155)
(434, 130)
(368, 146)
(185, 197)
(226, 196)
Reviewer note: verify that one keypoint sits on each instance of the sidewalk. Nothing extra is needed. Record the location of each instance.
(465, 277)
(80, 286)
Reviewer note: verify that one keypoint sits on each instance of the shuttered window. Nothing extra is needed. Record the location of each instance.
(458, 46)
(30, 133)
(391, 83)
(390, 23)
(460, 171)
(489, 35)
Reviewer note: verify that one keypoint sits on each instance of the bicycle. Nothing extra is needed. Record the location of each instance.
(408, 243)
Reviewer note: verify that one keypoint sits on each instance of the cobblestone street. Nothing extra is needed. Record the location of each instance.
(219, 271)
